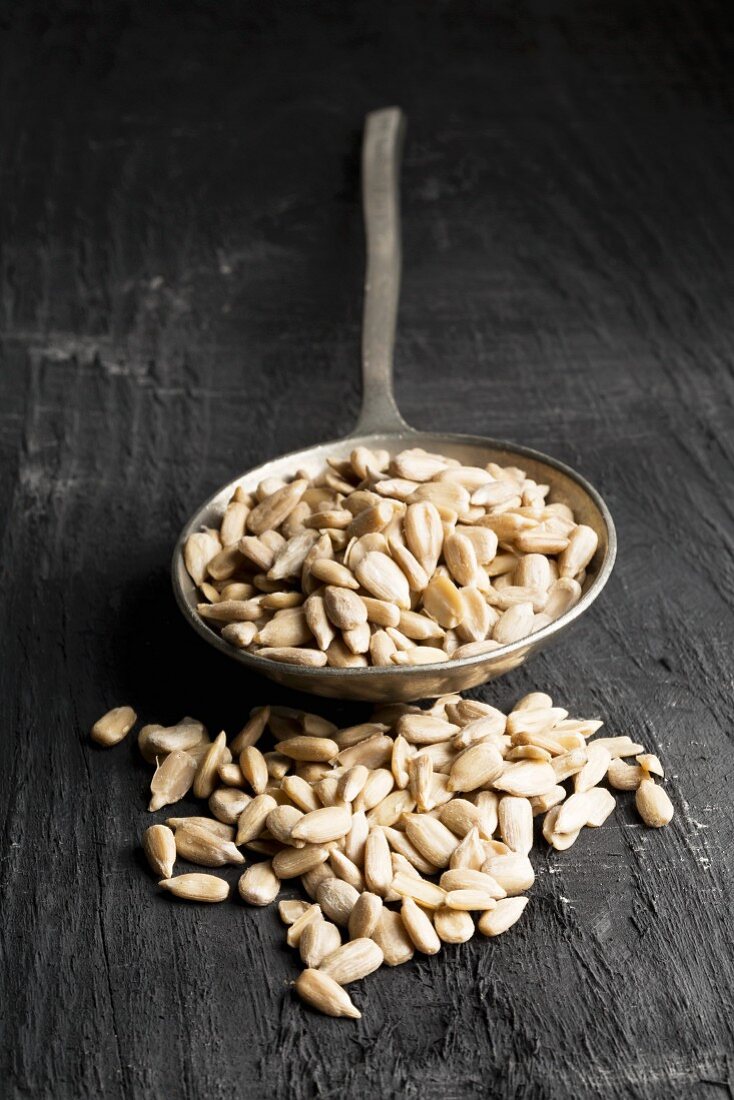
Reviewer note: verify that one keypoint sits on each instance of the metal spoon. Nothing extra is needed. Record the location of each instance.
(380, 426)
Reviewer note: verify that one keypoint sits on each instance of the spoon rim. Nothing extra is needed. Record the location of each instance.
(260, 664)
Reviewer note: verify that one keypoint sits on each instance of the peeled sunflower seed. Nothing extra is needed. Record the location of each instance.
(465, 878)
(297, 927)
(526, 779)
(378, 870)
(419, 928)
(432, 839)
(422, 729)
(653, 804)
(475, 767)
(453, 925)
(172, 780)
(292, 862)
(469, 900)
(252, 731)
(422, 891)
(254, 768)
(280, 823)
(290, 909)
(206, 775)
(324, 994)
(345, 869)
(624, 777)
(259, 884)
(353, 961)
(186, 734)
(595, 768)
(365, 915)
(228, 803)
(560, 841)
(516, 823)
(505, 913)
(321, 826)
(305, 748)
(391, 936)
(650, 764)
(319, 939)
(196, 887)
(113, 726)
(217, 827)
(513, 873)
(202, 846)
(251, 821)
(337, 899)
(159, 845)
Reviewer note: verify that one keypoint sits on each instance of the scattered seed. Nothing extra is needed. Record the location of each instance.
(113, 726)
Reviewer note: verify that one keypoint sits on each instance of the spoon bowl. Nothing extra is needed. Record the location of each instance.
(381, 427)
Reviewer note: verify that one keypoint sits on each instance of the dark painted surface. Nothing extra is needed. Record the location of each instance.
(181, 269)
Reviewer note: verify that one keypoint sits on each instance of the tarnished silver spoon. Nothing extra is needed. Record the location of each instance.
(380, 426)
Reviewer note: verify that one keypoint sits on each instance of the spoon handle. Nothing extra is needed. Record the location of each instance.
(381, 152)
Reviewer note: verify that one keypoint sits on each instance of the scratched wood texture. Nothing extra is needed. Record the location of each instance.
(181, 279)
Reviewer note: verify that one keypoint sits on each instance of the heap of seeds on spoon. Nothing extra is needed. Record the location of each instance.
(389, 560)
(407, 832)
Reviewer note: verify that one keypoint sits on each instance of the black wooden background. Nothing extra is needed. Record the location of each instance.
(182, 259)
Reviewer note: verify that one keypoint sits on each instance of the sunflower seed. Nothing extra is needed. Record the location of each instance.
(432, 839)
(196, 887)
(292, 862)
(324, 994)
(252, 731)
(624, 777)
(513, 873)
(216, 827)
(114, 725)
(365, 915)
(526, 779)
(650, 764)
(172, 780)
(319, 939)
(353, 961)
(475, 767)
(251, 821)
(513, 624)
(291, 909)
(505, 913)
(422, 891)
(653, 804)
(159, 845)
(271, 512)
(345, 869)
(227, 803)
(259, 885)
(199, 550)
(204, 847)
(337, 899)
(254, 768)
(323, 825)
(303, 747)
(378, 871)
(292, 655)
(453, 925)
(280, 823)
(559, 841)
(582, 544)
(391, 936)
(516, 823)
(383, 579)
(422, 729)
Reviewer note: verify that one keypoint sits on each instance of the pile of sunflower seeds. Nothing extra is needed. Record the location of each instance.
(408, 559)
(407, 832)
